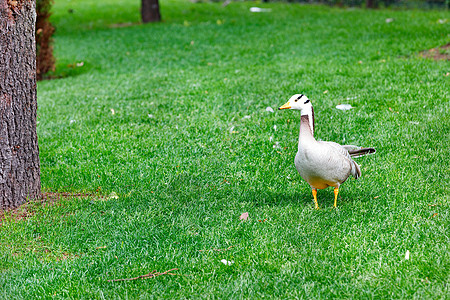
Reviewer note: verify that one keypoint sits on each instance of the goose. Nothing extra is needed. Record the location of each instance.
(322, 164)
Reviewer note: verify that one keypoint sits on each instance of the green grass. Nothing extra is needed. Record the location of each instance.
(184, 175)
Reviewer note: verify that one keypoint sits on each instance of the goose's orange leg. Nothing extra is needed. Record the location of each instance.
(314, 192)
(336, 192)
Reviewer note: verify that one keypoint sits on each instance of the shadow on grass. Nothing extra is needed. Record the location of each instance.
(301, 198)
(65, 70)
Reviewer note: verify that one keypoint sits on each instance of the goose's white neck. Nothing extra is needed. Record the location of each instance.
(306, 128)
(309, 112)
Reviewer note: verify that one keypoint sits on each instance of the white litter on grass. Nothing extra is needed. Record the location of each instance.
(277, 145)
(269, 109)
(270, 138)
(259, 9)
(113, 195)
(344, 106)
(113, 111)
(246, 117)
(71, 121)
(407, 255)
(275, 127)
(227, 262)
(231, 129)
(389, 20)
(442, 21)
(150, 116)
(351, 98)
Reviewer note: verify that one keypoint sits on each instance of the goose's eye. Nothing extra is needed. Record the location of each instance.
(296, 100)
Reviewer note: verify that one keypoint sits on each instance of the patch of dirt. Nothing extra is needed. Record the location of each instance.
(120, 25)
(438, 53)
(27, 210)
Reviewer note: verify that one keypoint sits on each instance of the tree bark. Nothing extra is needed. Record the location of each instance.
(45, 61)
(19, 152)
(150, 11)
(371, 3)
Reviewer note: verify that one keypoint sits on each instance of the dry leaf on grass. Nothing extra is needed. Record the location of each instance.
(244, 216)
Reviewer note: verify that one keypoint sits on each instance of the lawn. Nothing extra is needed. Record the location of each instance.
(163, 131)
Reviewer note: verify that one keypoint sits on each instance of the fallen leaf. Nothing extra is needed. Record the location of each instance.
(425, 280)
(262, 221)
(244, 216)
(434, 215)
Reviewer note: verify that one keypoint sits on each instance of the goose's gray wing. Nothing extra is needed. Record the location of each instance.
(343, 150)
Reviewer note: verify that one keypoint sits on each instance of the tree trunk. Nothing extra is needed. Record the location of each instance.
(19, 152)
(150, 11)
(45, 61)
(371, 3)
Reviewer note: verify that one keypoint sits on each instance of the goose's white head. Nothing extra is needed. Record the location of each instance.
(299, 102)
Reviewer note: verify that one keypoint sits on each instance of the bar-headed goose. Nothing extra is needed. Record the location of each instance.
(322, 164)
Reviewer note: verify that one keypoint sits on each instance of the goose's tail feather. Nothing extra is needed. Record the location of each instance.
(356, 170)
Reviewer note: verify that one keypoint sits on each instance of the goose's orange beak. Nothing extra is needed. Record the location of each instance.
(286, 106)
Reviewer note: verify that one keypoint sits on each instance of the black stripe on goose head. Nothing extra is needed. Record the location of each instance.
(299, 97)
